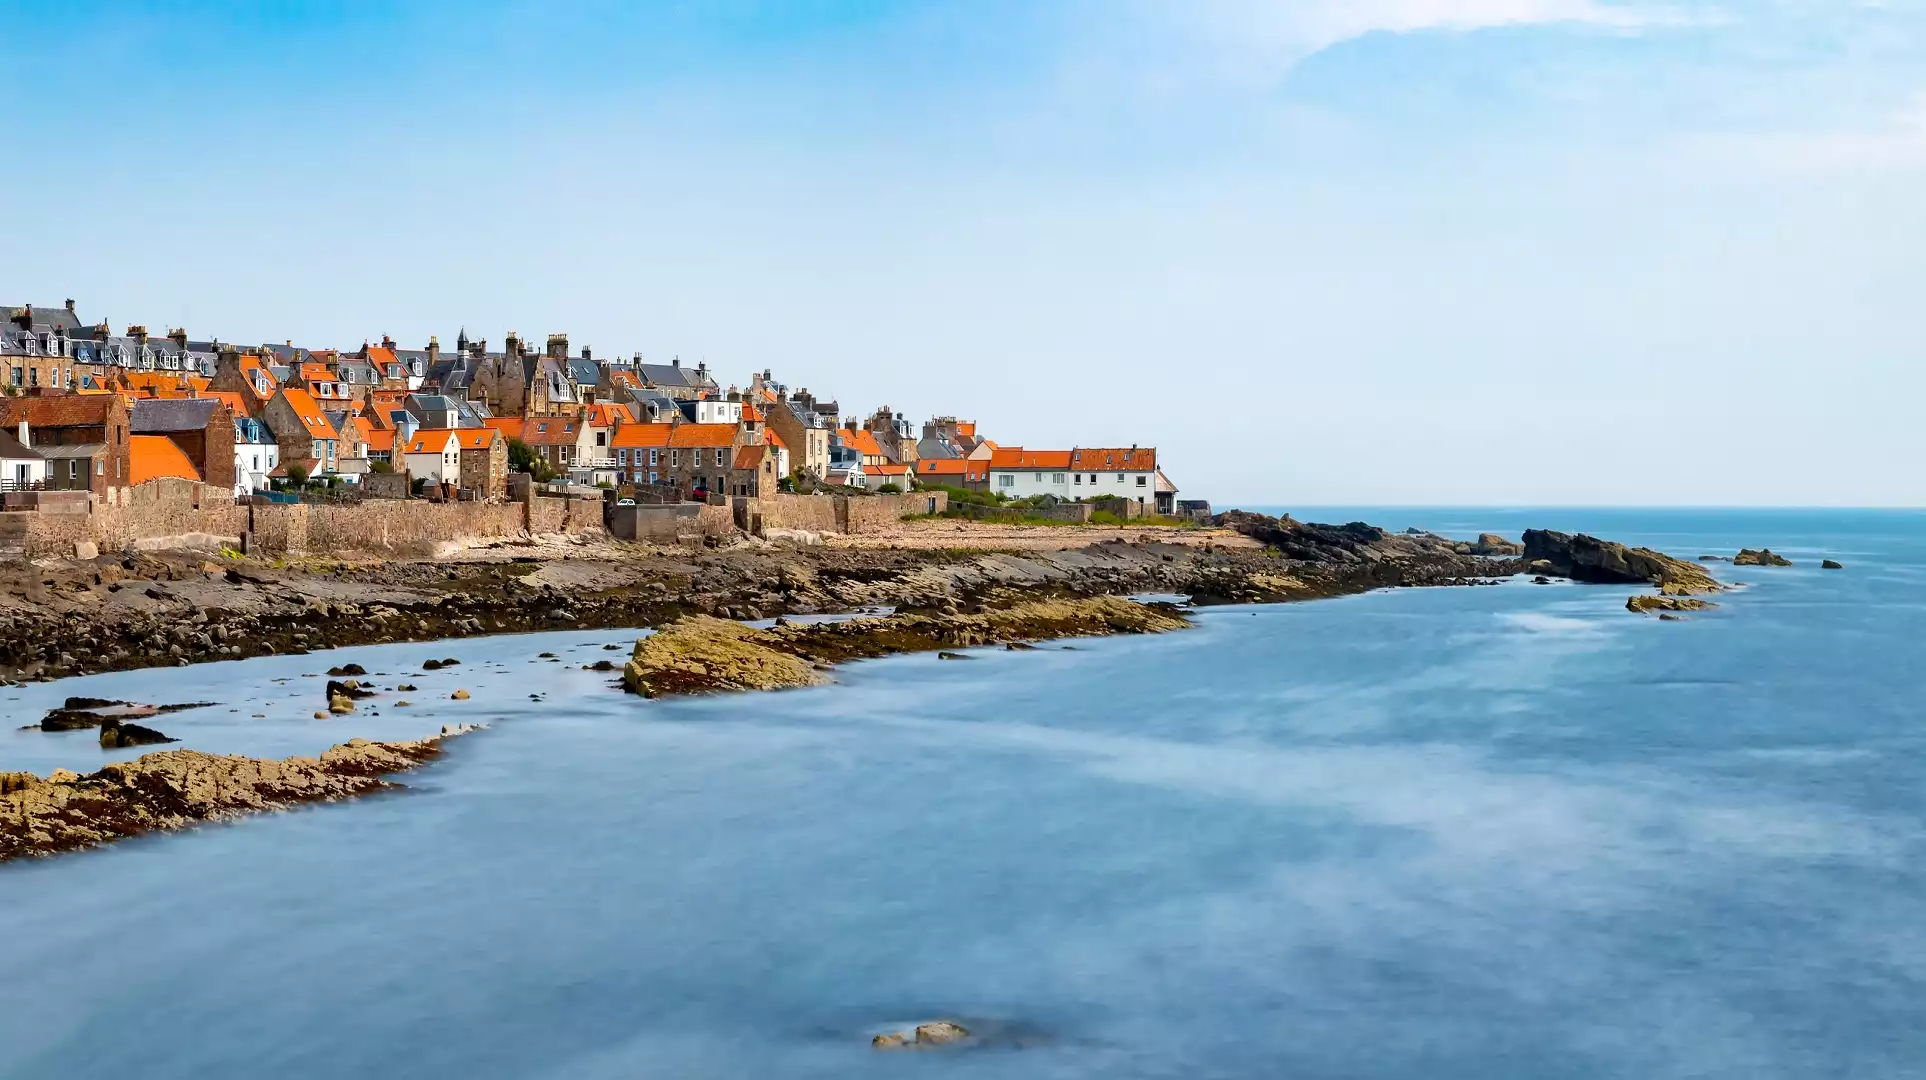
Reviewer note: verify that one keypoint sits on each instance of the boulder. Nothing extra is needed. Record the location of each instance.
(1493, 544)
(1830, 564)
(348, 669)
(459, 695)
(1761, 557)
(939, 1033)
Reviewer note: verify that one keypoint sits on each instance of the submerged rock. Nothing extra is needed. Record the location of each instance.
(1761, 557)
(926, 1036)
(1643, 604)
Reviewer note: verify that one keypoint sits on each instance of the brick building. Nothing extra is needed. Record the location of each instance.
(82, 436)
(203, 429)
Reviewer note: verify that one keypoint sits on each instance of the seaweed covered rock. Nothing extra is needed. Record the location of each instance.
(702, 653)
(119, 735)
(1761, 557)
(1643, 604)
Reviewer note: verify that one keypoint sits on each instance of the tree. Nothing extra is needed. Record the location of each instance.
(297, 475)
(523, 459)
(890, 489)
(380, 467)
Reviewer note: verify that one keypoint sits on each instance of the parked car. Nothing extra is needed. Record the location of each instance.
(700, 494)
(625, 502)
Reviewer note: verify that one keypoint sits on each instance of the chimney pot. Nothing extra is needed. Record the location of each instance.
(70, 306)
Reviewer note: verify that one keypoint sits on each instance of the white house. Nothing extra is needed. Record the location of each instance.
(1019, 474)
(709, 411)
(256, 454)
(1129, 474)
(434, 454)
(21, 466)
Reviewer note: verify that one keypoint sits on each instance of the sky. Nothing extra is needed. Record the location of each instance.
(1510, 252)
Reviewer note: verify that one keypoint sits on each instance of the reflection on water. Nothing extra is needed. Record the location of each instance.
(1512, 832)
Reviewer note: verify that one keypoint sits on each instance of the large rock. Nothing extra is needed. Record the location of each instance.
(1603, 562)
(1761, 557)
(1644, 604)
(1493, 544)
(927, 1036)
(1831, 564)
(117, 735)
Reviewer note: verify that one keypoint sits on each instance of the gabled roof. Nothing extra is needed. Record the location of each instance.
(1131, 460)
(662, 436)
(1016, 457)
(750, 457)
(173, 414)
(308, 411)
(509, 426)
(153, 456)
(476, 438)
(940, 469)
(551, 430)
(860, 441)
(380, 356)
(431, 441)
(382, 439)
(10, 448)
(887, 469)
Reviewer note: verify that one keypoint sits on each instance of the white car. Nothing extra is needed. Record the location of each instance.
(625, 502)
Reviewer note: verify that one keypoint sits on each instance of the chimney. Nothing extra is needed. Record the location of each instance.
(676, 362)
(70, 307)
(586, 354)
(387, 342)
(434, 349)
(179, 337)
(558, 346)
(24, 434)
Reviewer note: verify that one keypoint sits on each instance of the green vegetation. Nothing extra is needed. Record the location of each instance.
(380, 467)
(890, 489)
(297, 475)
(522, 458)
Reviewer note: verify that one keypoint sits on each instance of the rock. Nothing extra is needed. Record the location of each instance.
(320, 716)
(1020, 646)
(340, 705)
(1493, 544)
(1643, 604)
(405, 687)
(176, 789)
(545, 656)
(895, 1040)
(431, 665)
(451, 662)
(86, 549)
(348, 669)
(1589, 559)
(1829, 564)
(601, 665)
(404, 703)
(939, 1033)
(1761, 557)
(951, 656)
(115, 736)
(1666, 616)
(1713, 558)
(459, 695)
(1541, 580)
(349, 689)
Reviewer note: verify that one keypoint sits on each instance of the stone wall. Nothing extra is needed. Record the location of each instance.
(875, 513)
(165, 507)
(413, 527)
(810, 513)
(564, 514)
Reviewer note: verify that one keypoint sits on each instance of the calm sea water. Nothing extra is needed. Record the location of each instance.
(1492, 832)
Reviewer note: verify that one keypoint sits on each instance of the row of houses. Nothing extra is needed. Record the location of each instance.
(86, 408)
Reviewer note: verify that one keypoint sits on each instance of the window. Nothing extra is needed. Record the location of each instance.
(100, 467)
(1005, 480)
(18, 377)
(73, 469)
(1056, 478)
(33, 376)
(675, 458)
(1141, 480)
(1079, 478)
(653, 478)
(621, 457)
(601, 438)
(1120, 478)
(655, 458)
(720, 460)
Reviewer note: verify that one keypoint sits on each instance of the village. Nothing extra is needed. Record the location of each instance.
(88, 410)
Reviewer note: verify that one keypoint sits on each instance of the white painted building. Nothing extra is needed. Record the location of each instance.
(256, 454)
(1128, 474)
(21, 466)
(1017, 473)
(718, 412)
(434, 454)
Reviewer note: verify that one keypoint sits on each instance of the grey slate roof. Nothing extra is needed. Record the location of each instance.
(50, 318)
(364, 373)
(10, 448)
(584, 372)
(172, 414)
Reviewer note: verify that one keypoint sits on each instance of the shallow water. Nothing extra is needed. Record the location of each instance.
(1491, 832)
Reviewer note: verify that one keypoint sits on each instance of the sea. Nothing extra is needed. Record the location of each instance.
(1424, 834)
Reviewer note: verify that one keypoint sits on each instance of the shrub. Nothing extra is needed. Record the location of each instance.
(297, 475)
(890, 489)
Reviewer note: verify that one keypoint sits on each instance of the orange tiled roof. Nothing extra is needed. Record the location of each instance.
(150, 457)
(316, 373)
(551, 430)
(1131, 460)
(862, 442)
(430, 441)
(624, 377)
(476, 438)
(382, 440)
(886, 469)
(750, 412)
(509, 426)
(61, 410)
(1017, 457)
(775, 439)
(674, 435)
(953, 468)
(967, 430)
(750, 457)
(308, 411)
(381, 356)
(235, 403)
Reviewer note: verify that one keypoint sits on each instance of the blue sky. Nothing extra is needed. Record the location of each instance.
(1354, 251)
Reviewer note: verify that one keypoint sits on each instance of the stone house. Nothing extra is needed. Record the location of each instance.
(83, 438)
(302, 430)
(22, 468)
(484, 462)
(804, 432)
(203, 429)
(434, 454)
(687, 457)
(753, 473)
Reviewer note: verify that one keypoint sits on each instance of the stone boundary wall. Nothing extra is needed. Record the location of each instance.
(810, 513)
(1075, 513)
(572, 515)
(877, 513)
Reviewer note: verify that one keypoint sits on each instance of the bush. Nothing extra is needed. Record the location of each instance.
(297, 475)
(380, 467)
(890, 489)
(522, 458)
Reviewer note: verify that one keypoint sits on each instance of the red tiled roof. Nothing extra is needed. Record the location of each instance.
(677, 435)
(1016, 457)
(509, 426)
(382, 439)
(380, 357)
(150, 457)
(476, 438)
(862, 442)
(1131, 460)
(886, 469)
(750, 457)
(309, 413)
(430, 441)
(550, 430)
(953, 468)
(60, 410)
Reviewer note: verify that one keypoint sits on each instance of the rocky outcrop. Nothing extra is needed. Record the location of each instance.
(702, 654)
(1643, 604)
(82, 713)
(1761, 557)
(1831, 564)
(925, 1037)
(1603, 562)
(176, 789)
(1491, 544)
(119, 735)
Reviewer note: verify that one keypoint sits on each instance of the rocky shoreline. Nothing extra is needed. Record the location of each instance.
(178, 789)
